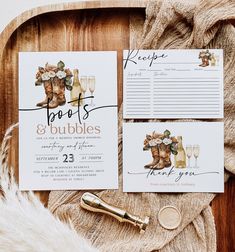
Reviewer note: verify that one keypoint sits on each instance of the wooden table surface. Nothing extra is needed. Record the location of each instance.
(77, 30)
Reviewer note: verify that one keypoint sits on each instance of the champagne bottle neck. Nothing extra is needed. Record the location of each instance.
(76, 79)
(180, 147)
(180, 144)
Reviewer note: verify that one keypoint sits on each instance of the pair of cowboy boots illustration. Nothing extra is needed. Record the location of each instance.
(161, 147)
(55, 94)
(161, 157)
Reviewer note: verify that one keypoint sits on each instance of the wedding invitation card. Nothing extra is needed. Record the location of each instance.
(173, 83)
(65, 139)
(173, 157)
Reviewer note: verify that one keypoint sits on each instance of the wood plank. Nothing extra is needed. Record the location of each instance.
(14, 24)
(223, 207)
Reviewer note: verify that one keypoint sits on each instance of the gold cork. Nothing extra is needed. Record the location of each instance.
(93, 203)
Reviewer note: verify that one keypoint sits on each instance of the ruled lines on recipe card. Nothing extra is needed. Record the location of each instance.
(138, 96)
(173, 83)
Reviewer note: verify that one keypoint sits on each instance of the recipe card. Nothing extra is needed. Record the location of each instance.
(173, 83)
(173, 157)
(65, 140)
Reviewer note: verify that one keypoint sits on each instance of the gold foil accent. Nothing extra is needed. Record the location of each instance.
(93, 203)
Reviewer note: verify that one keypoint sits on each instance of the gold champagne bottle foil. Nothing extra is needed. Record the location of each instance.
(93, 203)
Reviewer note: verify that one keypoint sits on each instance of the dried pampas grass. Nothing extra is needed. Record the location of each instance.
(25, 224)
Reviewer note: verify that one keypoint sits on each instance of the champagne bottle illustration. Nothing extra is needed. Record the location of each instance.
(180, 158)
(77, 89)
(213, 59)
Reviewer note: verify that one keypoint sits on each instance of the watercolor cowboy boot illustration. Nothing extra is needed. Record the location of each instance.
(43, 76)
(61, 94)
(64, 81)
(168, 156)
(49, 94)
(58, 94)
(155, 156)
(150, 142)
(59, 83)
(164, 157)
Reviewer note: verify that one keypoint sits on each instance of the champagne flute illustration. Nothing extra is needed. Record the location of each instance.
(83, 81)
(91, 85)
(189, 151)
(196, 151)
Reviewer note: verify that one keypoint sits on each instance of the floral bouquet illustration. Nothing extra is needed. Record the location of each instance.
(161, 147)
(55, 80)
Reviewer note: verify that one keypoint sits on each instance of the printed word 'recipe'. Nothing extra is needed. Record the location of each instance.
(133, 57)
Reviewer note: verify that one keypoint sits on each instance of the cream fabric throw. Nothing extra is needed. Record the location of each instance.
(168, 24)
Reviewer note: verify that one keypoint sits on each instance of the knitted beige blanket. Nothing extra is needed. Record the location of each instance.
(168, 24)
